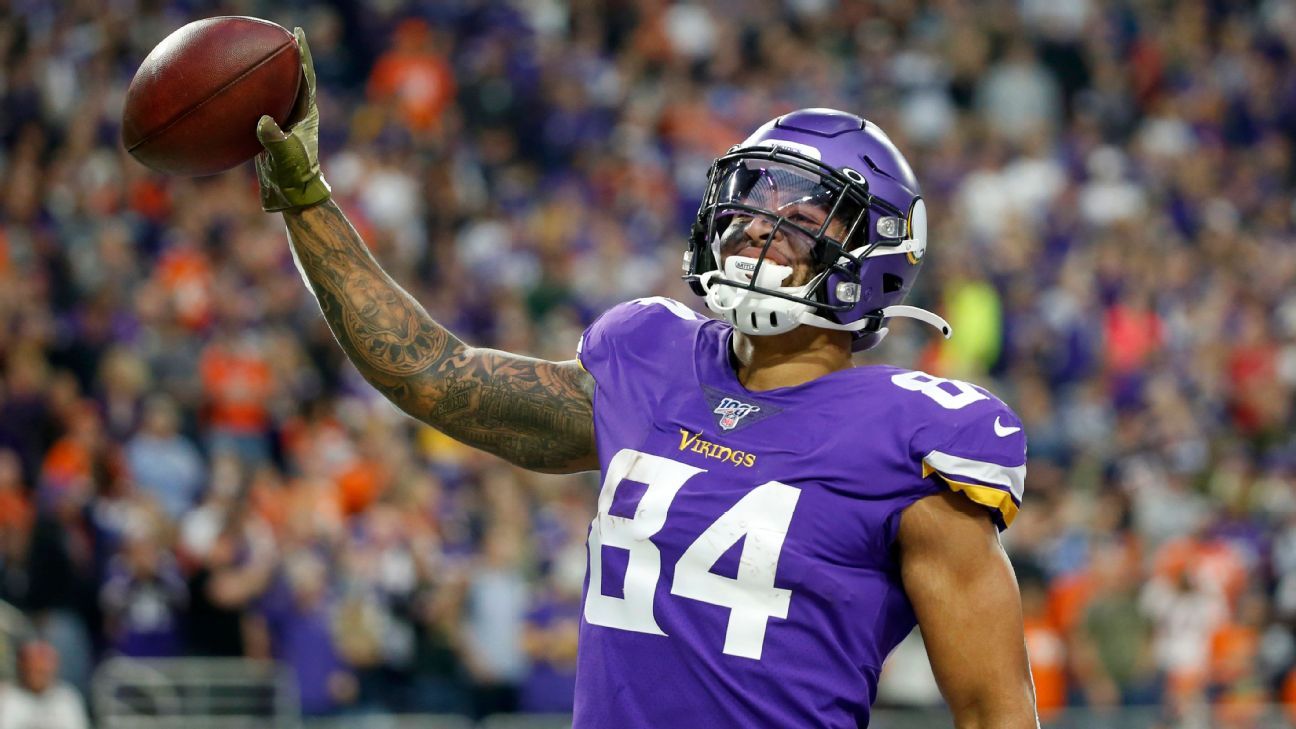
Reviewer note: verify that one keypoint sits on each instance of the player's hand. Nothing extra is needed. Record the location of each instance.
(288, 169)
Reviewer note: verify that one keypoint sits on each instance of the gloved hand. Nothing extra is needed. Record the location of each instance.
(288, 169)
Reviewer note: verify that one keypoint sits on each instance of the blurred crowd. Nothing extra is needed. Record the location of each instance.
(188, 466)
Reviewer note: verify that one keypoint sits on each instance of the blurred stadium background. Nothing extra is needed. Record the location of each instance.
(192, 476)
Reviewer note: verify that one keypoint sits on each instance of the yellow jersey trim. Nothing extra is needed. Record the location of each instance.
(993, 498)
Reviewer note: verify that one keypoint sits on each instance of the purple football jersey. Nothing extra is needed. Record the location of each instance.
(741, 565)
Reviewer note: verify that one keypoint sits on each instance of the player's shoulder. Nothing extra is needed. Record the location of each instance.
(962, 433)
(647, 323)
(648, 311)
(942, 405)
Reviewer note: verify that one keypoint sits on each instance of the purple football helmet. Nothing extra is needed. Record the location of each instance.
(833, 185)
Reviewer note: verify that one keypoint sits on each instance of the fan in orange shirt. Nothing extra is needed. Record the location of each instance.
(15, 510)
(1214, 563)
(68, 467)
(415, 76)
(186, 275)
(1289, 696)
(1241, 694)
(1046, 647)
(237, 384)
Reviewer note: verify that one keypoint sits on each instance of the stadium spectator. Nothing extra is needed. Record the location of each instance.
(163, 462)
(144, 599)
(1017, 95)
(230, 574)
(1113, 644)
(297, 617)
(237, 384)
(15, 507)
(46, 572)
(549, 639)
(439, 684)
(39, 700)
(1186, 616)
(493, 624)
(1046, 645)
(414, 77)
(376, 633)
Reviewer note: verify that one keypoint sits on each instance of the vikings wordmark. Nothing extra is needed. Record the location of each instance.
(695, 443)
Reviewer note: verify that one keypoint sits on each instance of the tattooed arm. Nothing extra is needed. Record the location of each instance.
(535, 414)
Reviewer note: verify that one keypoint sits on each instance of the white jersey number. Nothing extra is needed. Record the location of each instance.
(664, 478)
(938, 389)
(762, 516)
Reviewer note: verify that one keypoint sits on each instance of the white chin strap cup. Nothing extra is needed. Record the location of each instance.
(760, 314)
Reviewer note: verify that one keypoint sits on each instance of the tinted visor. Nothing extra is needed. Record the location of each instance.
(808, 208)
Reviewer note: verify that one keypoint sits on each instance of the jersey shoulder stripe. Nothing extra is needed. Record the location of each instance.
(989, 484)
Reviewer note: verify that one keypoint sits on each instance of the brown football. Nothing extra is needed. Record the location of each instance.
(193, 105)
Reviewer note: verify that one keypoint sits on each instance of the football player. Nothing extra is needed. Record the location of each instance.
(772, 520)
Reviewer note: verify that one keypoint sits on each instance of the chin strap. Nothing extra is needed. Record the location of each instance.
(922, 315)
(901, 310)
(756, 313)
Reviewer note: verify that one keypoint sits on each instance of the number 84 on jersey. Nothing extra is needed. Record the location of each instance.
(760, 518)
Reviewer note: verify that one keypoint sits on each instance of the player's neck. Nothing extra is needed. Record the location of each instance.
(787, 360)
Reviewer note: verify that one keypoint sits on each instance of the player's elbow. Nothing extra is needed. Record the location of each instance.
(1019, 720)
(997, 713)
(997, 720)
(1007, 703)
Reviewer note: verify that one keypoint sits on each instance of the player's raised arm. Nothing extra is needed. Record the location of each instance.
(533, 413)
(965, 596)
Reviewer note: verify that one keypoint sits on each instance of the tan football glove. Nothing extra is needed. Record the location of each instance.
(288, 169)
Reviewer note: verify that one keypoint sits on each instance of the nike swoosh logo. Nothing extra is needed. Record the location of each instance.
(1002, 431)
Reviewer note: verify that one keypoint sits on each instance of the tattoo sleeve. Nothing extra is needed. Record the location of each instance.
(533, 413)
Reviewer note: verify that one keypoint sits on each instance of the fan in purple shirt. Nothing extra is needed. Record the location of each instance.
(143, 600)
(773, 520)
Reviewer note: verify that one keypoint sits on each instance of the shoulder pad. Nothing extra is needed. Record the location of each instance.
(639, 324)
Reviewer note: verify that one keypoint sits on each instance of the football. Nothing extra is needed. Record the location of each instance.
(193, 105)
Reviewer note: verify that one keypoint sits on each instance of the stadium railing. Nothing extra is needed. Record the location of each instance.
(1147, 717)
(14, 629)
(192, 693)
(1151, 717)
(238, 694)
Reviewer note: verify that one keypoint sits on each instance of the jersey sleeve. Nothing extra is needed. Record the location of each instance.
(977, 450)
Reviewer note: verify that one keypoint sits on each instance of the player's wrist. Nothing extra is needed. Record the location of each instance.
(316, 192)
(312, 192)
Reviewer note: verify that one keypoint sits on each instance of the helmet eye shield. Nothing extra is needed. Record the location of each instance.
(764, 197)
(792, 210)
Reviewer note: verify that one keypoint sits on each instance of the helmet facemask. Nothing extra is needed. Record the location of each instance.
(774, 226)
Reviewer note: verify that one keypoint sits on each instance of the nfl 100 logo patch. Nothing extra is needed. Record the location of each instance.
(732, 412)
